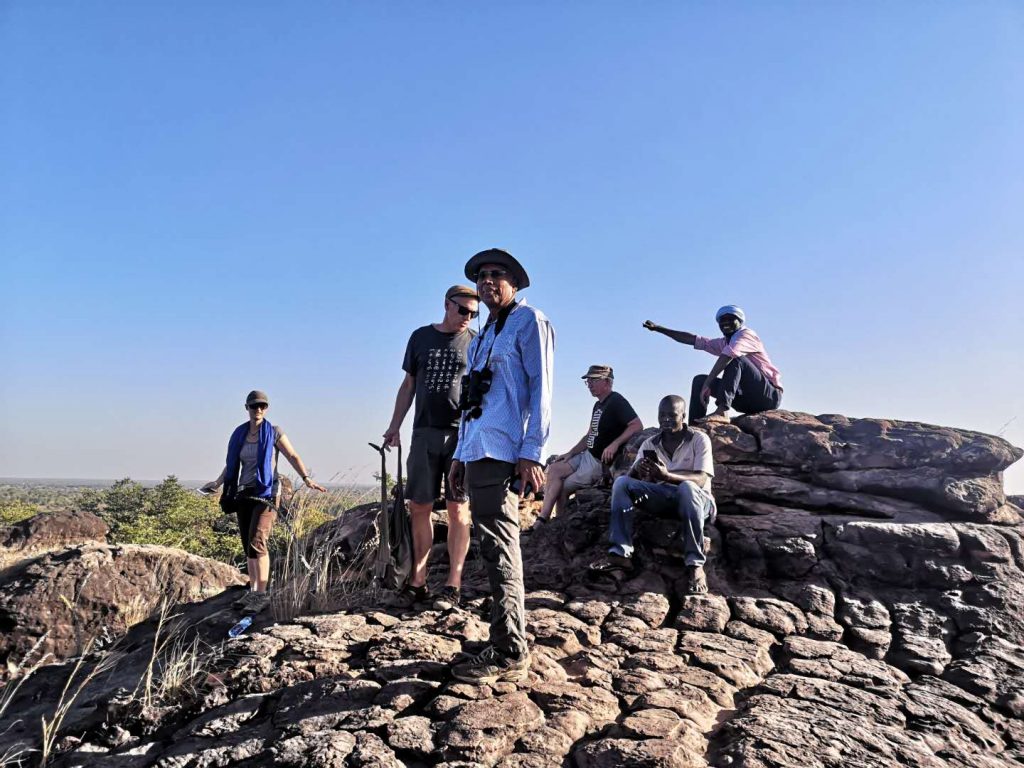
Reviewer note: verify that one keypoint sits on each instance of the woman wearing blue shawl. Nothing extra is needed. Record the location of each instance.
(252, 490)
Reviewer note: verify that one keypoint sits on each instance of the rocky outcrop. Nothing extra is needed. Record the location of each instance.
(866, 609)
(49, 531)
(94, 592)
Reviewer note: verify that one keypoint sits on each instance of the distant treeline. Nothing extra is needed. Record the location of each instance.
(169, 514)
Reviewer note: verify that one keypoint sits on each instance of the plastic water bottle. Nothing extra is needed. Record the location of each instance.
(240, 627)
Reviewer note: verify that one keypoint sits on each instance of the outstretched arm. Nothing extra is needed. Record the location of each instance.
(286, 448)
(683, 337)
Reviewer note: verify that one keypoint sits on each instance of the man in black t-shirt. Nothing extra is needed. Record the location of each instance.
(435, 360)
(612, 423)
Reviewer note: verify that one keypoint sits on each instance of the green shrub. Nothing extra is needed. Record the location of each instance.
(169, 515)
(16, 511)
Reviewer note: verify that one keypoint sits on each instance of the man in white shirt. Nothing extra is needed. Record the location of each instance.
(672, 472)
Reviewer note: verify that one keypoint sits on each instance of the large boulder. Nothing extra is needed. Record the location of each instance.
(50, 530)
(93, 592)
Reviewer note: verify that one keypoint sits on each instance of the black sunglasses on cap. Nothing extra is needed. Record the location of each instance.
(473, 313)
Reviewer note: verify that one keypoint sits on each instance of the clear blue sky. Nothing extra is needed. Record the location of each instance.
(197, 199)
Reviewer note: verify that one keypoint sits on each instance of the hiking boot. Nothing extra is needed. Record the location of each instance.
(492, 666)
(409, 597)
(243, 601)
(448, 599)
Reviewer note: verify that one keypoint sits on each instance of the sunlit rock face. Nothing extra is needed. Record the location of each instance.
(866, 608)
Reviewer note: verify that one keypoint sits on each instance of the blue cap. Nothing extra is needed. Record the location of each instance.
(730, 309)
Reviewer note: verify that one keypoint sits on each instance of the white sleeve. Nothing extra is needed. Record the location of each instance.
(702, 460)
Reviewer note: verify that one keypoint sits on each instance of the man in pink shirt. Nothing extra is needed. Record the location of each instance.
(749, 382)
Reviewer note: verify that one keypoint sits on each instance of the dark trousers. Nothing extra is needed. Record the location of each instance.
(741, 387)
(496, 520)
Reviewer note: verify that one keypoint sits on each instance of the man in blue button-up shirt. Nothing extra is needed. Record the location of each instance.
(505, 423)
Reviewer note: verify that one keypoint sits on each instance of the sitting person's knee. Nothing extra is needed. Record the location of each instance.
(622, 481)
(688, 490)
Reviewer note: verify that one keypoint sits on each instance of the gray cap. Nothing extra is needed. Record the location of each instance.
(257, 396)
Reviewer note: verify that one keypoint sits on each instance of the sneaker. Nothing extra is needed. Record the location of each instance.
(409, 597)
(491, 666)
(243, 601)
(448, 599)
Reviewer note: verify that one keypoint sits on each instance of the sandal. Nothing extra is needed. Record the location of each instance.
(696, 581)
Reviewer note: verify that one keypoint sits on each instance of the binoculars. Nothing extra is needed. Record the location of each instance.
(475, 385)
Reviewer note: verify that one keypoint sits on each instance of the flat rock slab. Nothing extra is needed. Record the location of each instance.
(486, 730)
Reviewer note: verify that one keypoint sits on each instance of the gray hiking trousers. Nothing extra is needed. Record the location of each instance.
(496, 519)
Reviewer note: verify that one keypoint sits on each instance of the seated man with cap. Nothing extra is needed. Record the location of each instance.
(749, 382)
(612, 422)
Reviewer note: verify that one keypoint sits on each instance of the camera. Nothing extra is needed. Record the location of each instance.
(475, 385)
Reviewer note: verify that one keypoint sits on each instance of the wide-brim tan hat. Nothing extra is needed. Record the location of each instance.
(498, 256)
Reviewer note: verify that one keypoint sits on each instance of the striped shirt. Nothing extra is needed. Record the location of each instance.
(516, 416)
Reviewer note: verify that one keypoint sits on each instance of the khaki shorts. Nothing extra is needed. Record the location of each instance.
(587, 472)
(255, 524)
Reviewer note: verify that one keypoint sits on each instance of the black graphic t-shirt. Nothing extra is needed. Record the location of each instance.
(437, 360)
(608, 421)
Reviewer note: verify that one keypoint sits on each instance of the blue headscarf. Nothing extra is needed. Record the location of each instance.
(264, 465)
(731, 309)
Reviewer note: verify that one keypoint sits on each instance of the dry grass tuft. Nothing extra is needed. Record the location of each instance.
(308, 573)
(69, 695)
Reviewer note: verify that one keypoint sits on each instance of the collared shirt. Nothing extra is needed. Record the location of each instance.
(744, 342)
(516, 414)
(692, 455)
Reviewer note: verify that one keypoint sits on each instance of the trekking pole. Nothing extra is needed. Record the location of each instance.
(383, 521)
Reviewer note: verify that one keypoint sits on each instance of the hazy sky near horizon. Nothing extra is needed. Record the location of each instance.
(198, 199)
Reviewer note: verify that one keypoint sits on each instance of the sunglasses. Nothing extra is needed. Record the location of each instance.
(473, 313)
(492, 274)
(257, 406)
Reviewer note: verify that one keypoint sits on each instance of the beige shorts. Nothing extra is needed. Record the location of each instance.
(587, 472)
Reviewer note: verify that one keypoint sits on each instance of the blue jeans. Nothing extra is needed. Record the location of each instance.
(692, 504)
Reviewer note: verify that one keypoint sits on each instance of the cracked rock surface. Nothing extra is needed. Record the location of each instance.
(866, 609)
